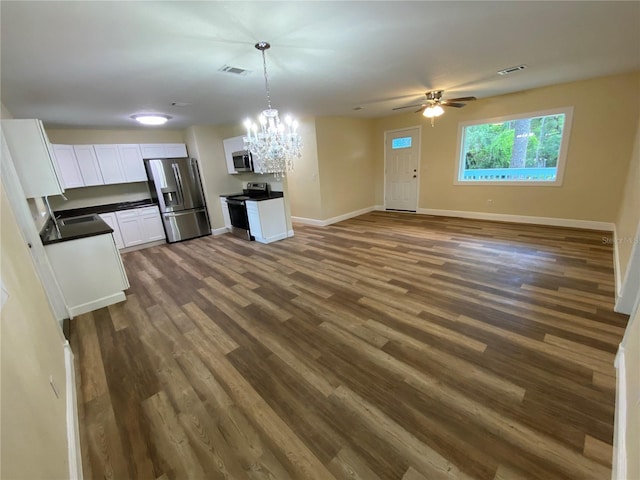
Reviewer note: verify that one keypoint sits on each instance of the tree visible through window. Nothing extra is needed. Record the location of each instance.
(524, 149)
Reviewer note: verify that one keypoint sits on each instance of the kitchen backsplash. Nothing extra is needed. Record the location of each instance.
(100, 195)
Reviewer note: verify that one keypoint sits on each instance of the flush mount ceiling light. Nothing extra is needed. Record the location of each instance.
(273, 145)
(151, 119)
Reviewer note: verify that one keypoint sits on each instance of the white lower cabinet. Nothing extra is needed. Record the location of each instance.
(225, 213)
(111, 220)
(140, 225)
(267, 219)
(151, 222)
(89, 271)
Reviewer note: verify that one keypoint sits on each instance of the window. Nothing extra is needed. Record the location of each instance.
(525, 149)
(402, 142)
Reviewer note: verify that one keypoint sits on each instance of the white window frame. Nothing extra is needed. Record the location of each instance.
(562, 154)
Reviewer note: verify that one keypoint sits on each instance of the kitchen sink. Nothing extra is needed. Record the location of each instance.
(76, 220)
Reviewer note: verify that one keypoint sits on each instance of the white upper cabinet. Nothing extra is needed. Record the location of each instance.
(33, 157)
(233, 144)
(175, 150)
(88, 164)
(132, 162)
(163, 150)
(68, 166)
(110, 163)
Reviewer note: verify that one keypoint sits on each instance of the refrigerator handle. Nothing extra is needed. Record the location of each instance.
(176, 173)
(196, 172)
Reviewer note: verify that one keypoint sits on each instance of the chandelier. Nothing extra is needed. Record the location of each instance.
(273, 145)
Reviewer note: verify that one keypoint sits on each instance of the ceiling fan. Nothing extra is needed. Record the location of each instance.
(434, 103)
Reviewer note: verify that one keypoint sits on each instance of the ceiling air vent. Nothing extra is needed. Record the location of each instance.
(509, 70)
(234, 70)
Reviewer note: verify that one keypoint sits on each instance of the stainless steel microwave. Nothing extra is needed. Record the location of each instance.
(242, 161)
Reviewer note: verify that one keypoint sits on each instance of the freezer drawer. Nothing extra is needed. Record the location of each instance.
(186, 224)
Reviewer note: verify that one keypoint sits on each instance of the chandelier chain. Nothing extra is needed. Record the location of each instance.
(266, 79)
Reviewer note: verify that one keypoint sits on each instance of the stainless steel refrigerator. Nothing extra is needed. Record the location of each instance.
(175, 185)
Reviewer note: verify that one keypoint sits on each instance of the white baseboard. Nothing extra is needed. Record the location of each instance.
(498, 217)
(501, 217)
(329, 221)
(73, 427)
(96, 304)
(272, 238)
(617, 272)
(142, 246)
(619, 470)
(219, 231)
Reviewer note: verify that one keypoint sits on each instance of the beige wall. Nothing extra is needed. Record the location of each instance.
(604, 124)
(346, 161)
(76, 136)
(304, 181)
(33, 434)
(205, 143)
(628, 218)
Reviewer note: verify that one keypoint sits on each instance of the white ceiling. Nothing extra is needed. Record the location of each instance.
(94, 64)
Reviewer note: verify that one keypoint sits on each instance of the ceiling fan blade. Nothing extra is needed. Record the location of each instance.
(452, 104)
(421, 109)
(409, 106)
(461, 99)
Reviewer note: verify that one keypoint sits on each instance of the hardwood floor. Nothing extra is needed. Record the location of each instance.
(388, 346)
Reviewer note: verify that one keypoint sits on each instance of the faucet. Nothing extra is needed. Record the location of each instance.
(54, 219)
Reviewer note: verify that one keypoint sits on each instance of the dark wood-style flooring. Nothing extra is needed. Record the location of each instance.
(388, 346)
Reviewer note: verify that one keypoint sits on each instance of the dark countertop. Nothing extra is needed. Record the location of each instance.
(91, 228)
(257, 199)
(111, 207)
(73, 231)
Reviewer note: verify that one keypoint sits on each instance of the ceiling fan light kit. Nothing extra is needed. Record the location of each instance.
(433, 111)
(434, 103)
(273, 145)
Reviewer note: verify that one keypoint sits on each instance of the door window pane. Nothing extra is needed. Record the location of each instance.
(402, 142)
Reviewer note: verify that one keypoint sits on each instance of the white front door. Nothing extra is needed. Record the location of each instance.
(402, 157)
